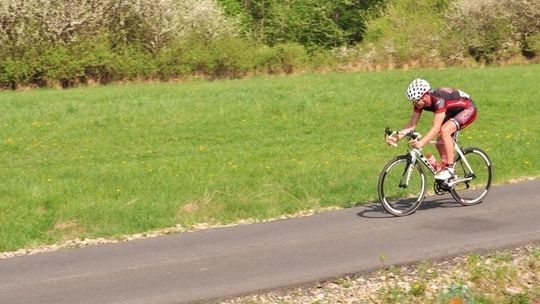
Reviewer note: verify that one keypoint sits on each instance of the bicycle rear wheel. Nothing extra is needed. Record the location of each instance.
(474, 191)
(401, 188)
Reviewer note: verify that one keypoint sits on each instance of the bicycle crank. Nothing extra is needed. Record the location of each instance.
(440, 187)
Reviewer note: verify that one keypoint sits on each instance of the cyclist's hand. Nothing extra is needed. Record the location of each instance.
(417, 144)
(391, 140)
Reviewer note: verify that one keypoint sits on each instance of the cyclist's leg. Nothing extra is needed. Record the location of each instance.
(458, 122)
(442, 152)
(447, 130)
(465, 117)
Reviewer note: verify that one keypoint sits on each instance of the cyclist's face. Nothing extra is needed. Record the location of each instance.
(420, 103)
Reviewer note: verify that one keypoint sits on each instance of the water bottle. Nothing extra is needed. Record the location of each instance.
(433, 161)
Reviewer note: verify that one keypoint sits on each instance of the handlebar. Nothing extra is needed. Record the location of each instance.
(411, 135)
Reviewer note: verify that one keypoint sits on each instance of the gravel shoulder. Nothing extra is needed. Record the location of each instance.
(501, 276)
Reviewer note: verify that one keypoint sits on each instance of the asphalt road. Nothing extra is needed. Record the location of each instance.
(217, 263)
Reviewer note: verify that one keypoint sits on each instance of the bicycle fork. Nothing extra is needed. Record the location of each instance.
(406, 176)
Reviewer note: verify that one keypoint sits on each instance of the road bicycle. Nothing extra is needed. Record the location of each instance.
(402, 182)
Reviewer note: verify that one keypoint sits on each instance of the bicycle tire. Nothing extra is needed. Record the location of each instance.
(398, 200)
(473, 192)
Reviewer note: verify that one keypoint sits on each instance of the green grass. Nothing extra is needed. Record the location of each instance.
(116, 160)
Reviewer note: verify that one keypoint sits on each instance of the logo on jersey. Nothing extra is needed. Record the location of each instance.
(464, 95)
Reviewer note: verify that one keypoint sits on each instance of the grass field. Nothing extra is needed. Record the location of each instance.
(115, 160)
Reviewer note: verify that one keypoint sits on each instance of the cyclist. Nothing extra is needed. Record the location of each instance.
(453, 109)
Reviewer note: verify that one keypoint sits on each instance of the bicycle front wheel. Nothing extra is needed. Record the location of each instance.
(402, 186)
(474, 191)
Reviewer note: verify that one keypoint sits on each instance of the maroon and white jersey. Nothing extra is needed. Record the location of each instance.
(457, 105)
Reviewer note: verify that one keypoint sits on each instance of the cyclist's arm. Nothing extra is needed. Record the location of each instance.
(410, 126)
(435, 128)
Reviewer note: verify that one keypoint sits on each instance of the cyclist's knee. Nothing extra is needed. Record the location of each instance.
(448, 128)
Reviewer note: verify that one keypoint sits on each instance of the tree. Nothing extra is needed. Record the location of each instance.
(312, 23)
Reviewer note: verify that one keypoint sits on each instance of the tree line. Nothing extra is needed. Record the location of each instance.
(68, 43)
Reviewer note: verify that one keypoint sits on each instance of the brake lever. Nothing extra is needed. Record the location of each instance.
(388, 132)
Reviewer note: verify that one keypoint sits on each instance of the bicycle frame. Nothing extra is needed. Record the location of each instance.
(416, 154)
(405, 171)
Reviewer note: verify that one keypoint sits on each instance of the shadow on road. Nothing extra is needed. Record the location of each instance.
(375, 210)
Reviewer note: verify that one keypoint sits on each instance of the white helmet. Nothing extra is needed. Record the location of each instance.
(417, 89)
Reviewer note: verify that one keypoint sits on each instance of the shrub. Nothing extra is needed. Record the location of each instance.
(526, 24)
(191, 56)
(266, 60)
(532, 43)
(409, 31)
(60, 65)
(290, 56)
(441, 32)
(13, 71)
(136, 63)
(496, 30)
(171, 62)
(327, 59)
(222, 57)
(232, 57)
(311, 23)
(79, 40)
(282, 58)
(484, 27)
(97, 58)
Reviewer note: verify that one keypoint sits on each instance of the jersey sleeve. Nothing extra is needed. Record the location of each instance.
(439, 105)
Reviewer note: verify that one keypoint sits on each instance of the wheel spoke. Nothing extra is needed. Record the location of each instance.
(399, 193)
(473, 192)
